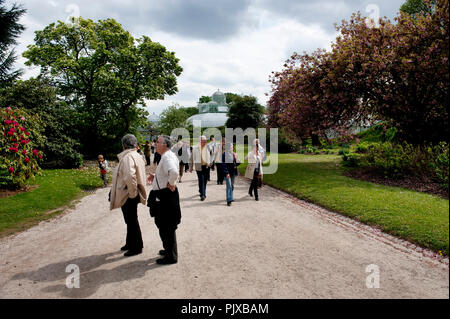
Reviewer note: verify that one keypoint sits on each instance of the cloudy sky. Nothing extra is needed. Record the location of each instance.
(231, 45)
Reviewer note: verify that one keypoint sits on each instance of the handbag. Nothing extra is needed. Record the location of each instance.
(153, 201)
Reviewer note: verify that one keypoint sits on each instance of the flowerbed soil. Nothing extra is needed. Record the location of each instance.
(8, 192)
(417, 183)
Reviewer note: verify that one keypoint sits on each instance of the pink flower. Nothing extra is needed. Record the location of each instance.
(40, 156)
(14, 149)
(22, 118)
(15, 144)
(26, 160)
(35, 152)
(8, 121)
(24, 152)
(11, 169)
(12, 129)
(10, 133)
(15, 123)
(22, 129)
(27, 133)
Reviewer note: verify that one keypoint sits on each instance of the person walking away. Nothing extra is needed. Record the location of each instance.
(178, 151)
(254, 169)
(103, 167)
(128, 190)
(212, 150)
(147, 152)
(200, 161)
(186, 155)
(164, 200)
(229, 164)
(152, 147)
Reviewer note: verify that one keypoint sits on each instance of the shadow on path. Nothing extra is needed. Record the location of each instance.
(90, 280)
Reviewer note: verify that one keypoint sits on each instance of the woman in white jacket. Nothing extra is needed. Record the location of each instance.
(254, 169)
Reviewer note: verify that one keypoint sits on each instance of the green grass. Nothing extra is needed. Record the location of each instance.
(57, 188)
(418, 217)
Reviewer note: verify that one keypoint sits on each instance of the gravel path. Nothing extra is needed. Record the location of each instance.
(279, 247)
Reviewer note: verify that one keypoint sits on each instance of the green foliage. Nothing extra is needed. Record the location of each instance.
(363, 147)
(20, 141)
(343, 151)
(397, 160)
(39, 97)
(104, 74)
(173, 117)
(245, 112)
(351, 159)
(204, 99)
(415, 7)
(10, 29)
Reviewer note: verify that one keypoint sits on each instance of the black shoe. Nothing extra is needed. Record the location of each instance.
(250, 194)
(165, 261)
(202, 198)
(229, 203)
(132, 253)
(124, 247)
(256, 198)
(162, 252)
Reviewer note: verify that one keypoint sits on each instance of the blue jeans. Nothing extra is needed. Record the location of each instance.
(230, 188)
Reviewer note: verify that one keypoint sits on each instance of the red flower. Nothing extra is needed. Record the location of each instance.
(15, 144)
(27, 159)
(11, 169)
(15, 123)
(8, 121)
(27, 133)
(24, 152)
(40, 156)
(35, 152)
(12, 129)
(14, 149)
(22, 128)
(10, 133)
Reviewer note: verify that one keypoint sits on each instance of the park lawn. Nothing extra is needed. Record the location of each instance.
(417, 217)
(57, 189)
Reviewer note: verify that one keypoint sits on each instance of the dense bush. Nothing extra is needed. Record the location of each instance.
(20, 141)
(37, 96)
(351, 159)
(401, 159)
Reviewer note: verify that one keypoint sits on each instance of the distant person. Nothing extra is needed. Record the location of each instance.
(103, 166)
(229, 163)
(200, 161)
(212, 150)
(186, 155)
(152, 147)
(254, 169)
(147, 152)
(219, 152)
(138, 149)
(177, 149)
(156, 158)
(128, 190)
(164, 200)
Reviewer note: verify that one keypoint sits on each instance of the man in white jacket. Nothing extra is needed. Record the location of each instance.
(128, 190)
(201, 161)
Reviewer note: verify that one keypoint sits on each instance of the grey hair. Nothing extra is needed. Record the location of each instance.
(129, 141)
(167, 140)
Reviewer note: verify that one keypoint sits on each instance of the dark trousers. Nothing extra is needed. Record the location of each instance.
(134, 237)
(254, 186)
(147, 159)
(202, 180)
(169, 241)
(220, 176)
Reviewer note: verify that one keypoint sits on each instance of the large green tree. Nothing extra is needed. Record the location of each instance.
(39, 97)
(174, 117)
(245, 112)
(105, 75)
(10, 28)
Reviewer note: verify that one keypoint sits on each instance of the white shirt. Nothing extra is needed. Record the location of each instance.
(167, 171)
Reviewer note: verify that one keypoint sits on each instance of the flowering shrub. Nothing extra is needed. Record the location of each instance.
(20, 144)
